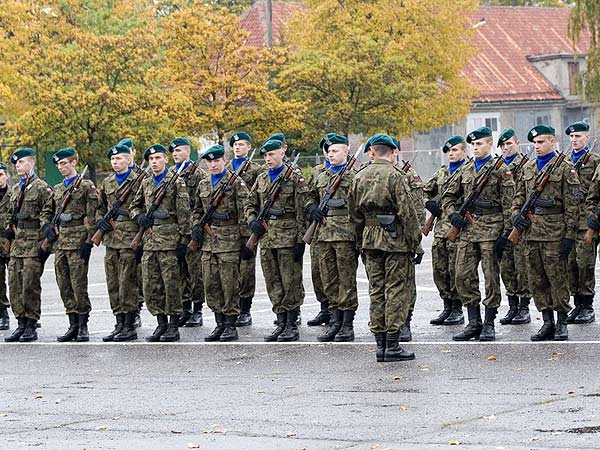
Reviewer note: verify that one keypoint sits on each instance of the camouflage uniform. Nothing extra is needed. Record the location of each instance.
(316, 250)
(4, 207)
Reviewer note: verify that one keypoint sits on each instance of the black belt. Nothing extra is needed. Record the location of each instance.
(165, 221)
(287, 215)
(487, 211)
(71, 223)
(28, 224)
(224, 223)
(547, 211)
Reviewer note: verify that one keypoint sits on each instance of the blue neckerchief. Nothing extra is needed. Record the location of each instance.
(510, 159)
(121, 177)
(158, 178)
(336, 169)
(542, 160)
(327, 164)
(579, 154)
(453, 166)
(273, 173)
(68, 181)
(214, 179)
(479, 163)
(23, 180)
(237, 162)
(185, 164)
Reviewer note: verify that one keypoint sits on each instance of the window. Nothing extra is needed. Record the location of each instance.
(542, 120)
(492, 122)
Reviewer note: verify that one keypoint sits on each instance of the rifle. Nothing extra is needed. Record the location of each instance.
(190, 170)
(272, 196)
(540, 184)
(216, 199)
(66, 199)
(112, 214)
(334, 185)
(12, 223)
(524, 160)
(159, 196)
(467, 206)
(583, 159)
(406, 165)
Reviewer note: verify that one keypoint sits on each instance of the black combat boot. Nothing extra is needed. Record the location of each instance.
(71, 333)
(120, 321)
(513, 310)
(215, 335)
(172, 333)
(522, 316)
(281, 322)
(346, 333)
(82, 331)
(405, 333)
(488, 333)
(196, 320)
(439, 320)
(291, 332)
(587, 310)
(323, 317)
(473, 328)
(14, 337)
(380, 341)
(187, 313)
(335, 324)
(128, 332)
(244, 319)
(163, 323)
(30, 333)
(230, 332)
(393, 351)
(575, 311)
(456, 316)
(546, 333)
(561, 333)
(4, 318)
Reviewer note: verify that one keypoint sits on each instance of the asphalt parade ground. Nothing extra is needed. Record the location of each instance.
(508, 394)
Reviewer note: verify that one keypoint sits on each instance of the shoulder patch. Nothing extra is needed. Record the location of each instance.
(49, 189)
(508, 173)
(573, 172)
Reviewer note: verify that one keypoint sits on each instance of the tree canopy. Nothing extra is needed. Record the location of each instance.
(586, 16)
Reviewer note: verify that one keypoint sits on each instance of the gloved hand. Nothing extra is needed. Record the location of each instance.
(434, 208)
(85, 251)
(520, 223)
(298, 251)
(257, 228)
(418, 258)
(500, 245)
(104, 225)
(566, 246)
(314, 213)
(181, 252)
(246, 254)
(138, 254)
(592, 222)
(49, 233)
(197, 233)
(457, 220)
(43, 256)
(8, 234)
(144, 221)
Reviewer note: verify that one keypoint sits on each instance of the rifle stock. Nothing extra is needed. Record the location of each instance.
(310, 231)
(589, 236)
(428, 225)
(514, 236)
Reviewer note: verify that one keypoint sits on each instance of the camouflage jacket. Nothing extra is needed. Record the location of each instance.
(380, 188)
(175, 225)
(77, 222)
(492, 213)
(592, 202)
(586, 174)
(192, 182)
(415, 189)
(249, 178)
(4, 207)
(513, 167)
(561, 219)
(289, 229)
(224, 233)
(435, 187)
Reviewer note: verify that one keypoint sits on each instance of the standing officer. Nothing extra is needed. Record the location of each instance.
(387, 229)
(165, 245)
(4, 206)
(26, 261)
(550, 234)
(241, 143)
(513, 268)
(72, 242)
(443, 251)
(491, 216)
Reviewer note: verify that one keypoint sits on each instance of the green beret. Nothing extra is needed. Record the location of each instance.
(213, 152)
(333, 138)
(323, 139)
(126, 142)
(380, 139)
(577, 126)
(277, 137)
(239, 136)
(540, 130)
(177, 142)
(452, 142)
(396, 141)
(2, 166)
(22, 153)
(270, 145)
(505, 136)
(479, 133)
(63, 153)
(156, 148)
(119, 148)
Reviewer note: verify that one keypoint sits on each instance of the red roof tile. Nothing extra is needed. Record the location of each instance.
(253, 20)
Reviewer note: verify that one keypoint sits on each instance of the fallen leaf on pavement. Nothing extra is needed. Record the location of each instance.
(403, 408)
(190, 445)
(291, 434)
(454, 443)
(102, 428)
(491, 358)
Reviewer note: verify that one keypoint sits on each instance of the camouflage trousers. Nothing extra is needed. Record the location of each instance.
(140, 281)
(191, 275)
(3, 297)
(247, 276)
(548, 276)
(390, 289)
(514, 271)
(443, 254)
(72, 279)
(162, 282)
(468, 257)
(221, 282)
(121, 279)
(283, 279)
(338, 262)
(315, 272)
(24, 285)
(581, 267)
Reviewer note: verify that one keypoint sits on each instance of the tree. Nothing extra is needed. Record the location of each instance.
(547, 3)
(585, 16)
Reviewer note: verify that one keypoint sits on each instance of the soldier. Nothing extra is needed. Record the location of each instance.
(387, 230)
(71, 238)
(337, 255)
(582, 261)
(26, 260)
(513, 268)
(166, 245)
(480, 239)
(443, 251)
(221, 247)
(120, 263)
(4, 206)
(550, 234)
(241, 143)
(281, 248)
(191, 267)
